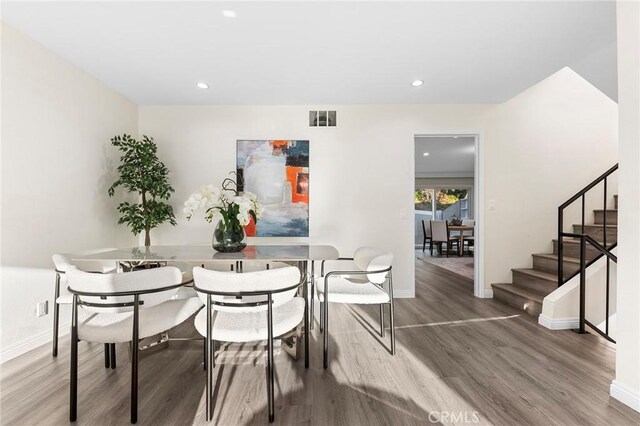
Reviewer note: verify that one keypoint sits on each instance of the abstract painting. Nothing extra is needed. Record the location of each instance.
(277, 171)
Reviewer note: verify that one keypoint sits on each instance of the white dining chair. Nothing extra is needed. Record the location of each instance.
(440, 235)
(122, 308)
(364, 285)
(62, 297)
(246, 307)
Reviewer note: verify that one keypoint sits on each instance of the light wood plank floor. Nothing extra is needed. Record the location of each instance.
(459, 358)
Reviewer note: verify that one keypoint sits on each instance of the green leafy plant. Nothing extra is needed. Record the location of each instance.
(143, 173)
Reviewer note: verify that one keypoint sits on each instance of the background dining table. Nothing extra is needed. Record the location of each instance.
(461, 229)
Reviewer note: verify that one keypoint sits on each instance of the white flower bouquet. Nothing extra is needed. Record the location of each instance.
(231, 210)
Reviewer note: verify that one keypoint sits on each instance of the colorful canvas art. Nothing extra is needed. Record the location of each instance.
(277, 171)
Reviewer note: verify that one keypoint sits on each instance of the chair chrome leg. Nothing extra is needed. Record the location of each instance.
(313, 293)
(204, 354)
(112, 352)
(391, 316)
(305, 291)
(325, 337)
(321, 317)
(209, 366)
(270, 372)
(134, 359)
(56, 315)
(392, 328)
(73, 370)
(107, 358)
(382, 320)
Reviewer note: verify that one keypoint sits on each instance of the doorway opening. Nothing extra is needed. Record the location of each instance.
(446, 210)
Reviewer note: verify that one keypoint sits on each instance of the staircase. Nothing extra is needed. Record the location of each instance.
(530, 286)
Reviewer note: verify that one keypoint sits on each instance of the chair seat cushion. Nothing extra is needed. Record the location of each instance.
(251, 326)
(117, 327)
(346, 290)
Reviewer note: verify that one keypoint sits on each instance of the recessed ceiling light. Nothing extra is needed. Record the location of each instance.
(202, 85)
(425, 154)
(417, 83)
(229, 13)
(456, 137)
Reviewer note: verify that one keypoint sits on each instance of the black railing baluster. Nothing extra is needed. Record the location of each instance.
(606, 318)
(604, 215)
(604, 241)
(583, 276)
(582, 225)
(560, 247)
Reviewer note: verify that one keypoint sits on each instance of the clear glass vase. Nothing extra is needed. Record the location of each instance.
(229, 237)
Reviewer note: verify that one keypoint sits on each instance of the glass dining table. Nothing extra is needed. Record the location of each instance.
(300, 254)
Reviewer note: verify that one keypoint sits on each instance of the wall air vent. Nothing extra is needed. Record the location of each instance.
(322, 119)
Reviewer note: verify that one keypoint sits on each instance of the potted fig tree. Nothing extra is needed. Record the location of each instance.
(141, 172)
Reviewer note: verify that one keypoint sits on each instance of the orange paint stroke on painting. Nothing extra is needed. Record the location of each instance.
(292, 178)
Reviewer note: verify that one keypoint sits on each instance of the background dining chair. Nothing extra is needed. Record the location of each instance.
(440, 235)
(468, 236)
(365, 285)
(229, 319)
(124, 307)
(426, 233)
(62, 297)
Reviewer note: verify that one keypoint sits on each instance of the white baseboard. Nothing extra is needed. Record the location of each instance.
(488, 294)
(19, 348)
(404, 294)
(625, 394)
(558, 323)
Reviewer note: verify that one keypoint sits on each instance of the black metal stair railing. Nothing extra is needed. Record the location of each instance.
(603, 249)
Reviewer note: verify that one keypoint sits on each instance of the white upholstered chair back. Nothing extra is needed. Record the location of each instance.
(439, 230)
(373, 259)
(259, 281)
(62, 262)
(147, 279)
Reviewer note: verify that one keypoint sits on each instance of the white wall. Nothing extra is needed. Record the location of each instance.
(626, 386)
(361, 171)
(542, 147)
(56, 166)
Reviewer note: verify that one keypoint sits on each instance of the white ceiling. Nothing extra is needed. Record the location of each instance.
(325, 52)
(448, 156)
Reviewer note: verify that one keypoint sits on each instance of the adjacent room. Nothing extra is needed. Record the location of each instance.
(320, 212)
(445, 201)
